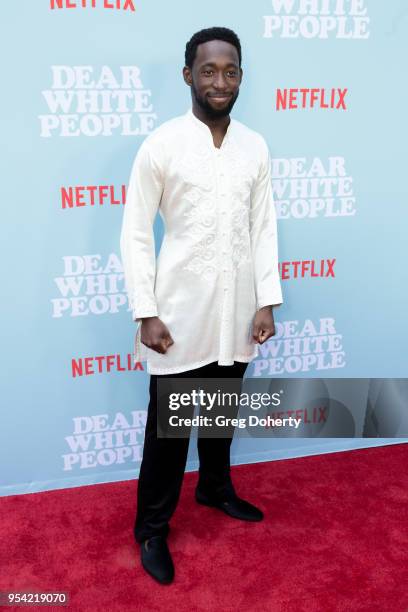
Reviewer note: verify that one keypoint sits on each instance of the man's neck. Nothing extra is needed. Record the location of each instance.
(217, 125)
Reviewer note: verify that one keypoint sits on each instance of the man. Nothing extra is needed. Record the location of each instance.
(206, 304)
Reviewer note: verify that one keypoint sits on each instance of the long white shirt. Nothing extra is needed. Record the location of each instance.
(218, 262)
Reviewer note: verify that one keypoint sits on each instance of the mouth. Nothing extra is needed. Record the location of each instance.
(220, 97)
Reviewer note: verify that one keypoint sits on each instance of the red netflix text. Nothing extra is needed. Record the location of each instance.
(308, 268)
(104, 364)
(107, 4)
(92, 195)
(311, 98)
(317, 414)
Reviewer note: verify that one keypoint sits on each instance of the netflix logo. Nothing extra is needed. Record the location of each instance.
(125, 5)
(308, 268)
(103, 364)
(290, 99)
(316, 414)
(92, 195)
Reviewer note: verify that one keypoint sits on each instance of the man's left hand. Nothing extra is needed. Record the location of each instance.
(263, 326)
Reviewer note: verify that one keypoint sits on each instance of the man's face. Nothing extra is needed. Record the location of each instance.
(215, 77)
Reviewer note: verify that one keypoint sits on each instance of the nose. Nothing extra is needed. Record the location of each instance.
(219, 81)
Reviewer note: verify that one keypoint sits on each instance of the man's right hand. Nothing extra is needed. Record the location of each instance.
(155, 334)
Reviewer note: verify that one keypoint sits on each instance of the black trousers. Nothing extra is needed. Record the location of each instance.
(164, 461)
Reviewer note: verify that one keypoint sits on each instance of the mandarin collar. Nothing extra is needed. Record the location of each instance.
(205, 130)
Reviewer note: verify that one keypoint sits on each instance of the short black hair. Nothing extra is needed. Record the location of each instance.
(206, 35)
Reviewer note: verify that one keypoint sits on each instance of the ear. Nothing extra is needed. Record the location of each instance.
(241, 72)
(188, 77)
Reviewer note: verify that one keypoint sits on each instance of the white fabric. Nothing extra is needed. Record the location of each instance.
(218, 261)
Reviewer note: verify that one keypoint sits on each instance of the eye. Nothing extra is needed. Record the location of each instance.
(232, 73)
(208, 72)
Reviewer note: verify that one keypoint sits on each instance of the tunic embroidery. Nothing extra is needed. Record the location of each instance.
(218, 261)
(200, 178)
(197, 174)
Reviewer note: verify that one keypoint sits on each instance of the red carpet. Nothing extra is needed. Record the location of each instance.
(334, 540)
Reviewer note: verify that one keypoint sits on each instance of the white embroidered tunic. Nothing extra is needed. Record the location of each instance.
(218, 262)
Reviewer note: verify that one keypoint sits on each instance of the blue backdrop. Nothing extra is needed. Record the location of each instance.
(83, 83)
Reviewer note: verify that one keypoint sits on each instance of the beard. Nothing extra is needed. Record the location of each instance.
(213, 113)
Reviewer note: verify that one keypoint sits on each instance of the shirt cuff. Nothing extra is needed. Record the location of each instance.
(272, 301)
(137, 318)
(144, 307)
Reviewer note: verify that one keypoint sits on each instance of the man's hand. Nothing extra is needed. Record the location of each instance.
(155, 335)
(263, 326)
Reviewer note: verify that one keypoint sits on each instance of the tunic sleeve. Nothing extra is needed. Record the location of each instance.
(137, 238)
(264, 241)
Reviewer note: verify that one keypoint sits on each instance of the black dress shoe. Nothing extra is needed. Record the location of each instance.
(156, 559)
(235, 506)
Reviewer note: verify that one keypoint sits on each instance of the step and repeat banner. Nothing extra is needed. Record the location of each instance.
(84, 82)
